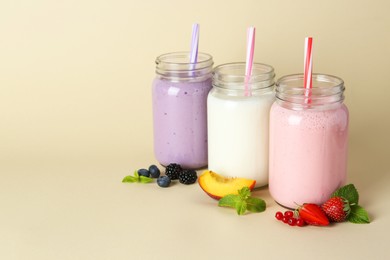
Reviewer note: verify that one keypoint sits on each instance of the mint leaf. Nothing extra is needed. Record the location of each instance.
(255, 204)
(241, 207)
(130, 179)
(348, 192)
(242, 202)
(358, 215)
(229, 201)
(144, 179)
(137, 178)
(244, 193)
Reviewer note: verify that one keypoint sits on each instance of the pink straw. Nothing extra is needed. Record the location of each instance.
(250, 49)
(308, 68)
(194, 43)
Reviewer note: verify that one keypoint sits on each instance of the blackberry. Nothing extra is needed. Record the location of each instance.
(187, 177)
(173, 170)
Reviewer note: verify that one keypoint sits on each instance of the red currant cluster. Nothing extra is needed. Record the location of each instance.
(289, 218)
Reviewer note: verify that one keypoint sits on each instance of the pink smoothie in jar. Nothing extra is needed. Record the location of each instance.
(179, 93)
(308, 140)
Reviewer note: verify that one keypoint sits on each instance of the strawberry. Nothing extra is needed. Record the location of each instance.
(336, 209)
(312, 214)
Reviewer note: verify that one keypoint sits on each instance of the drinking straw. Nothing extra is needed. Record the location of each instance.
(250, 49)
(194, 43)
(308, 68)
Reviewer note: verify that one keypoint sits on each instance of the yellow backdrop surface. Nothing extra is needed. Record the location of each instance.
(75, 117)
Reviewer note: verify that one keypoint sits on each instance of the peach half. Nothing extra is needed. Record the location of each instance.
(218, 186)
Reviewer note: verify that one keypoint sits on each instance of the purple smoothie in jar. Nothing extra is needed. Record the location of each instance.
(180, 92)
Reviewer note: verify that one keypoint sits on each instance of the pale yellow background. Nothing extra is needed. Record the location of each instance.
(75, 117)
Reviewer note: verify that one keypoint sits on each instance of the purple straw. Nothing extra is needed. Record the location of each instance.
(194, 43)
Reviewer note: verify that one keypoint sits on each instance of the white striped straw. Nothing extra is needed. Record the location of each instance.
(308, 68)
(250, 49)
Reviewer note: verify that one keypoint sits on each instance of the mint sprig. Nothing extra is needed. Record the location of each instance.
(137, 178)
(358, 214)
(144, 179)
(130, 178)
(243, 202)
(348, 192)
(255, 204)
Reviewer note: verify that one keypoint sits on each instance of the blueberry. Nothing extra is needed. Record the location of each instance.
(164, 181)
(154, 171)
(143, 172)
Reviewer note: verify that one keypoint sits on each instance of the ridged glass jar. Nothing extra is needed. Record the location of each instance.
(308, 140)
(238, 123)
(179, 92)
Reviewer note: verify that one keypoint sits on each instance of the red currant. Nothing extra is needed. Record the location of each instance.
(292, 221)
(300, 222)
(289, 214)
(285, 219)
(279, 215)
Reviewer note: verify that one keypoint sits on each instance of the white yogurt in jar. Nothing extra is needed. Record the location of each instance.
(238, 125)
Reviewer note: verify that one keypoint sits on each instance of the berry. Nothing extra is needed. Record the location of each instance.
(289, 214)
(187, 177)
(289, 218)
(312, 214)
(300, 222)
(154, 171)
(292, 221)
(163, 181)
(173, 170)
(143, 172)
(279, 215)
(336, 209)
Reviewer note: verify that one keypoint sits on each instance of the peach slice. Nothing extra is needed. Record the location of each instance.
(218, 186)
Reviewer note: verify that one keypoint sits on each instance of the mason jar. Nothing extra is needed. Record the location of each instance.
(238, 121)
(179, 92)
(308, 140)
